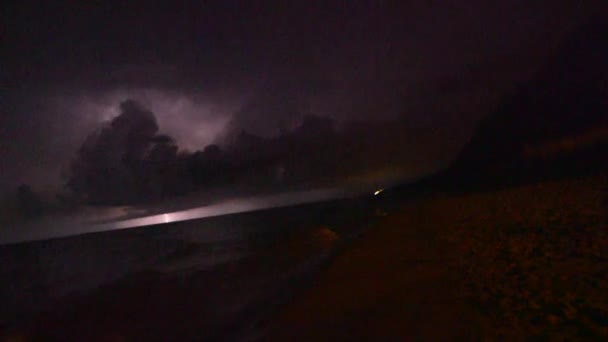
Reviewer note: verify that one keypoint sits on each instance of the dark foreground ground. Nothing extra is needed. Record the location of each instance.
(525, 262)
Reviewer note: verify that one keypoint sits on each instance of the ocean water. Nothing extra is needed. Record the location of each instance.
(98, 219)
(247, 249)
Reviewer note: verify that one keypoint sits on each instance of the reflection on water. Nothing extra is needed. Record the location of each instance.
(84, 222)
(256, 253)
(226, 207)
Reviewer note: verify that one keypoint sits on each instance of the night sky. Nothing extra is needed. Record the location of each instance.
(66, 66)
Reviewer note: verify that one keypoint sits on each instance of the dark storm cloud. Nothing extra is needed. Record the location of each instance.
(197, 67)
(44, 130)
(103, 167)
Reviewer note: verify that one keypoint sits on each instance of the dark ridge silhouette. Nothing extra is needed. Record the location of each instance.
(567, 97)
(553, 126)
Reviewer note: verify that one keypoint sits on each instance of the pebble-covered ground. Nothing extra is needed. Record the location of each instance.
(526, 262)
(534, 258)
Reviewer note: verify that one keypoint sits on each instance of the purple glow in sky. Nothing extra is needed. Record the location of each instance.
(68, 67)
(193, 120)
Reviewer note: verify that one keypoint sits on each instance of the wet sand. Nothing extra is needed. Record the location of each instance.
(226, 301)
(393, 284)
(520, 263)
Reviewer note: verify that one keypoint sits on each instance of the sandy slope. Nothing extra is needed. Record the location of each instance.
(522, 262)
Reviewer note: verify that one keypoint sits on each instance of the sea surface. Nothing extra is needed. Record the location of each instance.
(244, 258)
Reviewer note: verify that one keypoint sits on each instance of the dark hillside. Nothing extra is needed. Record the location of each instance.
(553, 126)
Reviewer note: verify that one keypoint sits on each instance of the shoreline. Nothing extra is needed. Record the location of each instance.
(516, 263)
(244, 292)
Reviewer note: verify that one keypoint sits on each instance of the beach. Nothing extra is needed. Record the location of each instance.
(500, 264)
(526, 261)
